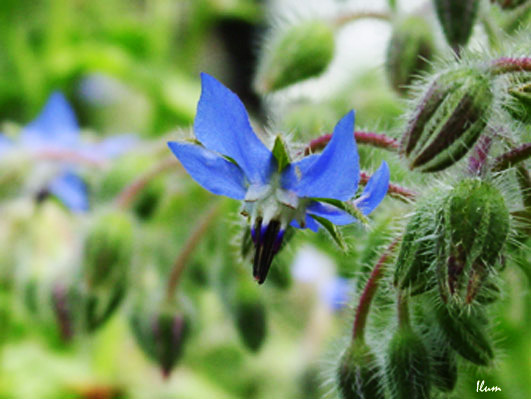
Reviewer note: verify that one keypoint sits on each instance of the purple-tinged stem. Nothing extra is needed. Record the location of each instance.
(129, 193)
(512, 157)
(69, 156)
(476, 162)
(362, 310)
(394, 190)
(369, 138)
(510, 64)
(188, 248)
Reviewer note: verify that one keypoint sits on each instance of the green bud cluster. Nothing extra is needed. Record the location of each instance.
(358, 374)
(448, 119)
(475, 225)
(409, 52)
(301, 52)
(457, 18)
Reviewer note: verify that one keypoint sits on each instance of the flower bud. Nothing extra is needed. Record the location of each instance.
(408, 366)
(464, 330)
(409, 52)
(161, 333)
(475, 224)
(301, 52)
(457, 18)
(444, 362)
(64, 305)
(250, 314)
(417, 251)
(358, 373)
(100, 304)
(447, 120)
(108, 249)
(519, 103)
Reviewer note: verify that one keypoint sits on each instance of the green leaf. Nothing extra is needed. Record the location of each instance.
(332, 229)
(280, 153)
(346, 207)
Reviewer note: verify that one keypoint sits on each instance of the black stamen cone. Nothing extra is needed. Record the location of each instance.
(266, 246)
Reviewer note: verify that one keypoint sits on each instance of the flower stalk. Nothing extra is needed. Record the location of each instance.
(510, 64)
(375, 139)
(362, 310)
(357, 15)
(512, 157)
(189, 246)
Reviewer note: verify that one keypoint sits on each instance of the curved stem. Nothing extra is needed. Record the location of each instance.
(510, 64)
(402, 309)
(129, 193)
(375, 139)
(512, 157)
(69, 156)
(355, 16)
(362, 311)
(191, 243)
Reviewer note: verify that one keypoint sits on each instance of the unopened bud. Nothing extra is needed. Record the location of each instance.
(464, 330)
(302, 52)
(409, 52)
(447, 120)
(358, 373)
(457, 18)
(475, 224)
(408, 366)
(519, 101)
(250, 314)
(444, 364)
(108, 249)
(161, 334)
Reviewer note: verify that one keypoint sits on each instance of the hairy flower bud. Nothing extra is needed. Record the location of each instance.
(444, 366)
(408, 366)
(457, 18)
(161, 333)
(409, 52)
(519, 101)
(250, 315)
(447, 120)
(464, 330)
(417, 251)
(301, 52)
(108, 249)
(358, 373)
(475, 224)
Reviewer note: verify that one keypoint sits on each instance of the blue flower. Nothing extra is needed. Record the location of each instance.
(56, 130)
(229, 159)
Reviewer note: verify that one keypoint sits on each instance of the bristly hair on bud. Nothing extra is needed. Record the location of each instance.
(447, 118)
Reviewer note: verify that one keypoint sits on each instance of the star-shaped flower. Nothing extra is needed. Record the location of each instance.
(229, 159)
(56, 131)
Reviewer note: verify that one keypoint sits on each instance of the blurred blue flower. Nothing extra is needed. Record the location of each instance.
(229, 159)
(54, 131)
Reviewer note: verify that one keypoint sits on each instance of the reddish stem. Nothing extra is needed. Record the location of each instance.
(476, 162)
(510, 64)
(512, 157)
(70, 156)
(374, 139)
(395, 191)
(362, 311)
(355, 16)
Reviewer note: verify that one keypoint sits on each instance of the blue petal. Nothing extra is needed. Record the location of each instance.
(71, 191)
(374, 191)
(55, 124)
(310, 224)
(210, 170)
(332, 174)
(335, 215)
(222, 125)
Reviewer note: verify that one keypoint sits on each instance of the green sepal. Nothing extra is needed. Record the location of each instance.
(280, 152)
(332, 229)
(346, 207)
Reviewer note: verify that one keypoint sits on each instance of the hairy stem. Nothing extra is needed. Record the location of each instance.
(188, 248)
(510, 64)
(362, 310)
(395, 191)
(129, 193)
(402, 309)
(369, 138)
(512, 157)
